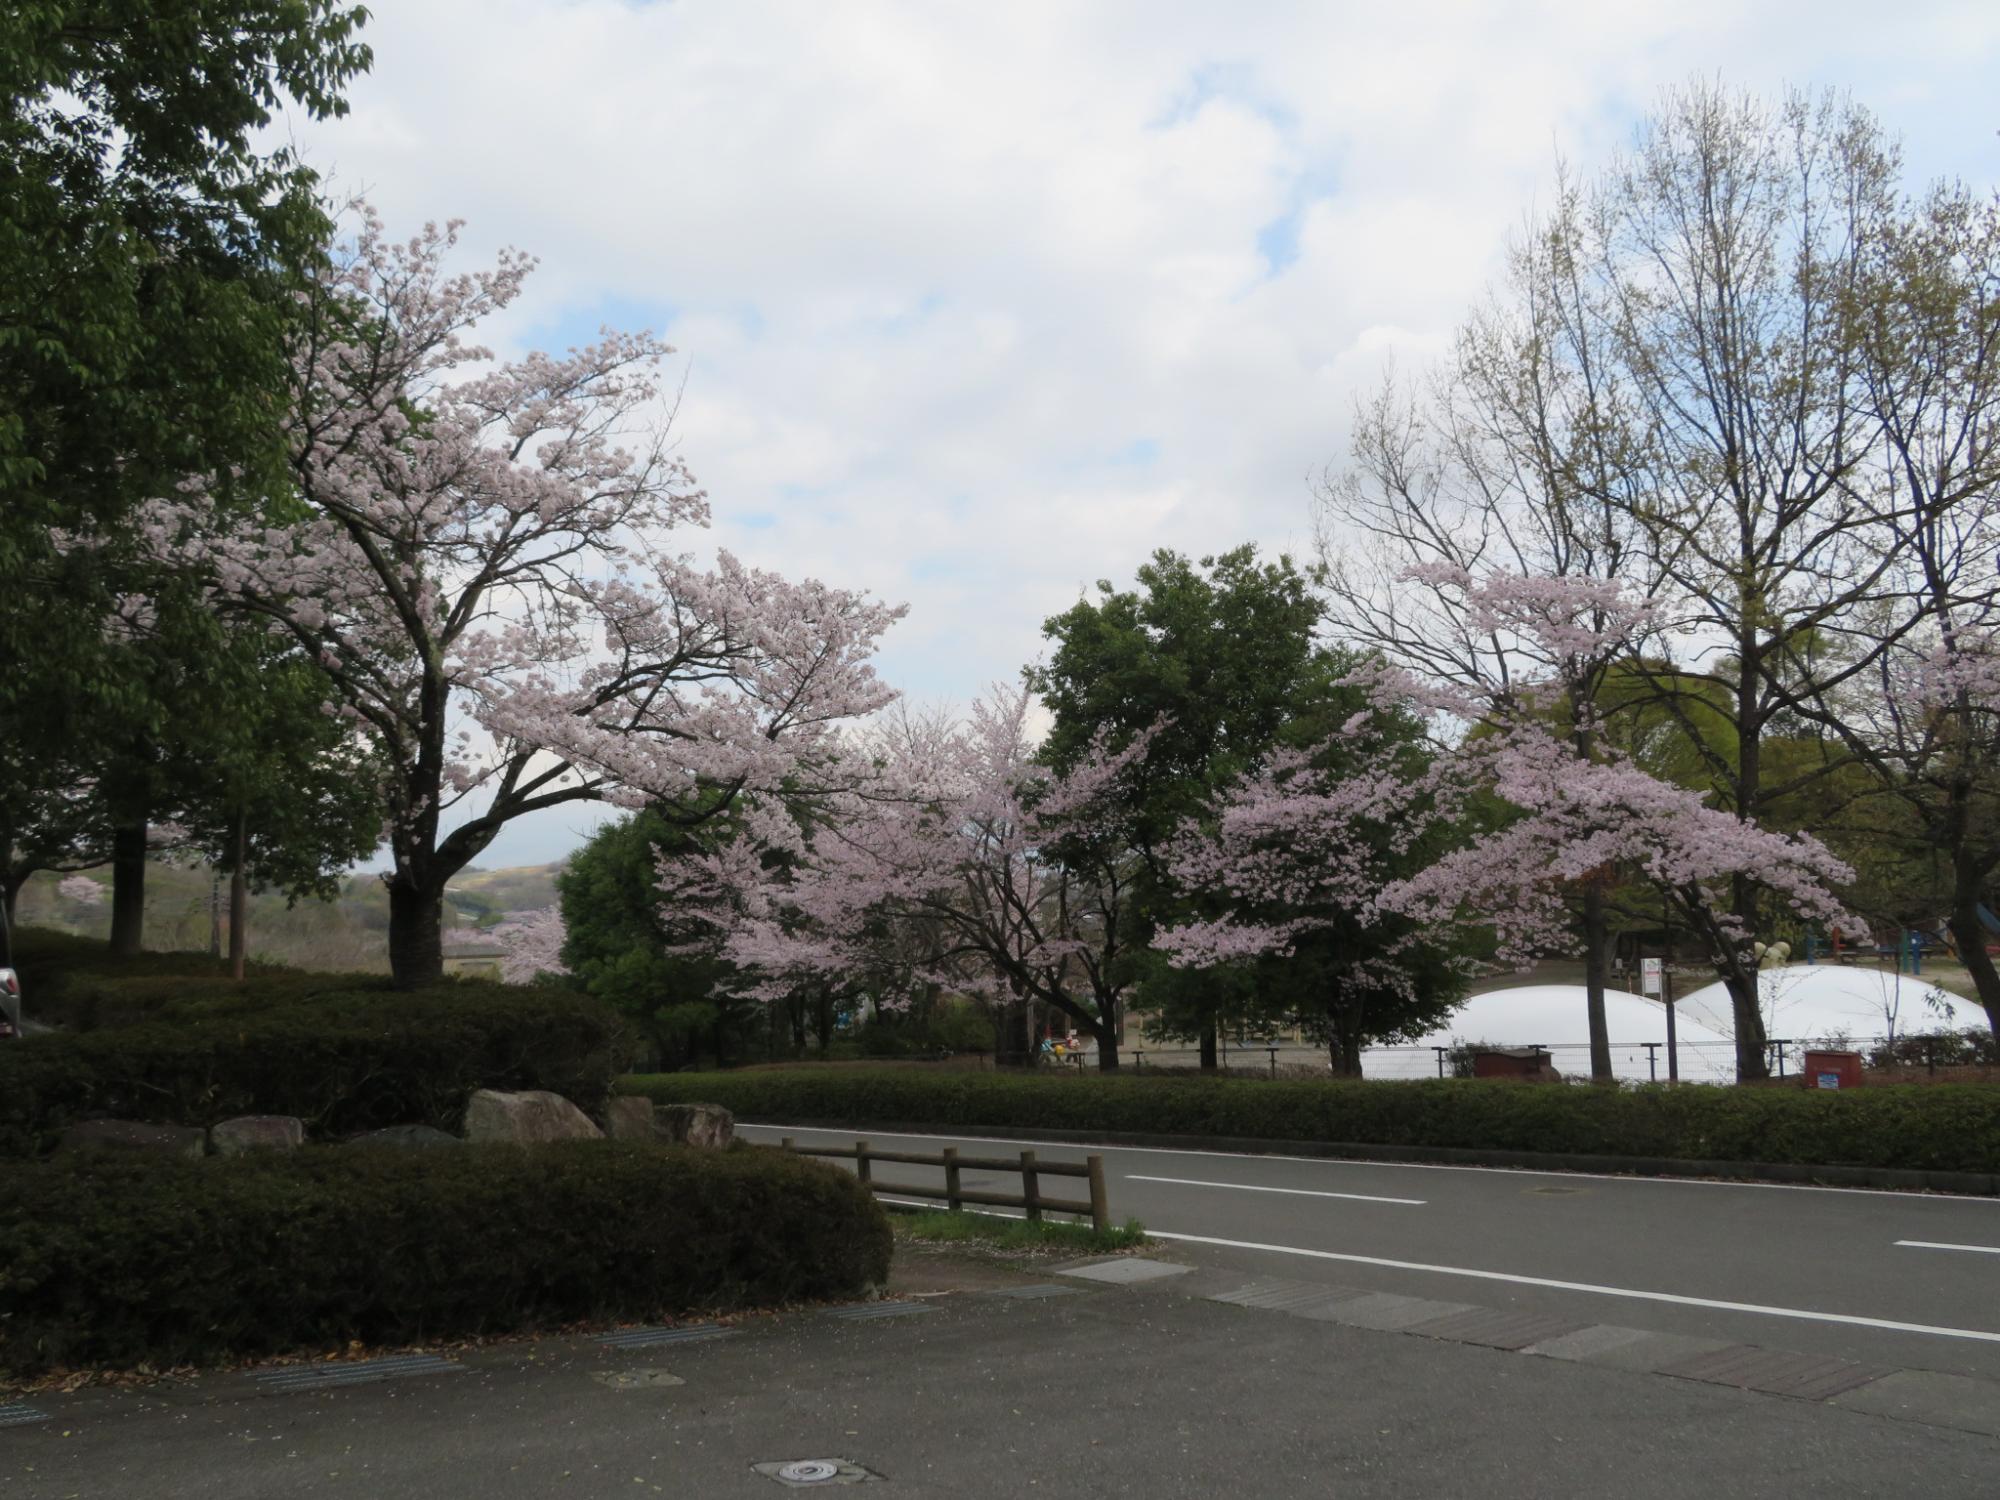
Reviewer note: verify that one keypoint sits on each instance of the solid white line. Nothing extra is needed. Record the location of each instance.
(1803, 1315)
(1247, 1187)
(1392, 1166)
(1940, 1245)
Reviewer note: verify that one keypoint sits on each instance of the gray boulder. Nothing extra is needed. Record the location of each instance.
(696, 1124)
(404, 1137)
(629, 1118)
(256, 1133)
(526, 1118)
(134, 1135)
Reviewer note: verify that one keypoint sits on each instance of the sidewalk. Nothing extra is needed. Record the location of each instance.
(985, 1380)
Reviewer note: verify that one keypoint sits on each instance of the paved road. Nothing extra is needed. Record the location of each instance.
(1848, 1274)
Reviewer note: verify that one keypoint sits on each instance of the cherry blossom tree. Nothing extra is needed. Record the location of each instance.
(81, 889)
(1581, 814)
(475, 552)
(532, 942)
(1307, 856)
(956, 861)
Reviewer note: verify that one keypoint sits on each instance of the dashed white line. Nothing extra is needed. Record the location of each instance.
(1250, 1187)
(1940, 1245)
(1799, 1313)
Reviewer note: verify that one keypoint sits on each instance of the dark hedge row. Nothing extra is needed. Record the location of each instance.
(342, 1060)
(113, 1261)
(72, 982)
(1945, 1128)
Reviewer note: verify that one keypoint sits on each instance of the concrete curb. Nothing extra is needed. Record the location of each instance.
(1896, 1179)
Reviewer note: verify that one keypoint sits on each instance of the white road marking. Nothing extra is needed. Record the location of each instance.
(1799, 1313)
(1247, 1187)
(1391, 1166)
(1940, 1245)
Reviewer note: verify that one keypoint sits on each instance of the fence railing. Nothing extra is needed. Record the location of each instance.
(955, 1196)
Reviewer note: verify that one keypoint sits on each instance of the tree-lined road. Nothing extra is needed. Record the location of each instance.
(1880, 1278)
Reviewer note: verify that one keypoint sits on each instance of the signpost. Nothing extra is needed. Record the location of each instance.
(1654, 979)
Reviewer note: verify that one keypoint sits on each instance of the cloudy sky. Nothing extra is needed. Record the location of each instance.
(976, 304)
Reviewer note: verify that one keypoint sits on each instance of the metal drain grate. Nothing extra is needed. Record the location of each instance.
(862, 1312)
(21, 1416)
(646, 1338)
(358, 1372)
(1036, 1292)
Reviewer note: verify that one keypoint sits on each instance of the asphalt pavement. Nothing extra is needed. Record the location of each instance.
(982, 1383)
(1911, 1280)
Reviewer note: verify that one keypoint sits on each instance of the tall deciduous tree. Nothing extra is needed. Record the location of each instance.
(478, 564)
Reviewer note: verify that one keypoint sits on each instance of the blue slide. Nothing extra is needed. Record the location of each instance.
(1992, 922)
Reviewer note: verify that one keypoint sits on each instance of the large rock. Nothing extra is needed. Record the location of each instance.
(525, 1118)
(629, 1118)
(696, 1124)
(257, 1133)
(134, 1135)
(419, 1137)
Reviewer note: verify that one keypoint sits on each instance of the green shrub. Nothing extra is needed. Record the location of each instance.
(342, 1060)
(960, 1026)
(107, 1260)
(1943, 1127)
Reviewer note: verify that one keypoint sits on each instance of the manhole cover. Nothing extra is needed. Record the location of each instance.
(634, 1380)
(799, 1472)
(810, 1471)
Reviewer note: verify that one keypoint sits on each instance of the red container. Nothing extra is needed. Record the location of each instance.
(1833, 1070)
(1511, 1062)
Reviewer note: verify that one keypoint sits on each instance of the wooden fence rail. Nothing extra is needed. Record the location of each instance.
(1029, 1199)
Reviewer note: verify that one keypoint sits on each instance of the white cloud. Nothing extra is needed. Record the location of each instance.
(976, 304)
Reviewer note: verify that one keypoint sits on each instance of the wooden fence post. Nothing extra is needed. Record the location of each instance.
(1100, 1206)
(861, 1167)
(951, 1199)
(1031, 1189)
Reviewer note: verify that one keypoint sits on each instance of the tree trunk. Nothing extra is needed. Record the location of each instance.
(128, 889)
(1596, 941)
(239, 901)
(1343, 1036)
(1208, 1058)
(416, 932)
(1106, 1034)
(1752, 1062)
(1969, 933)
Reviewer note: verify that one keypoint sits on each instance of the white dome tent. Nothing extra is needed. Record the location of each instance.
(1552, 1016)
(1830, 1002)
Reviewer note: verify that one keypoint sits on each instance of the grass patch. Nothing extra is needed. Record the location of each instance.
(1023, 1236)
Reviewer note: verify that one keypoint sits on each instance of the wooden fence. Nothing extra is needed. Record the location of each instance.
(955, 1197)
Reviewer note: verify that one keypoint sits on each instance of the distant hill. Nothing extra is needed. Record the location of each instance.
(347, 934)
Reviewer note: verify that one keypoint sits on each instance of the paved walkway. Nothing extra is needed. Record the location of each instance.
(983, 1381)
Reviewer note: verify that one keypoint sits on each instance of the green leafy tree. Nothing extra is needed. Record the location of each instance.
(623, 950)
(147, 252)
(1211, 657)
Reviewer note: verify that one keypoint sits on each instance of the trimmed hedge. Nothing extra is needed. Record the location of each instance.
(342, 1060)
(107, 1260)
(1941, 1127)
(74, 983)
